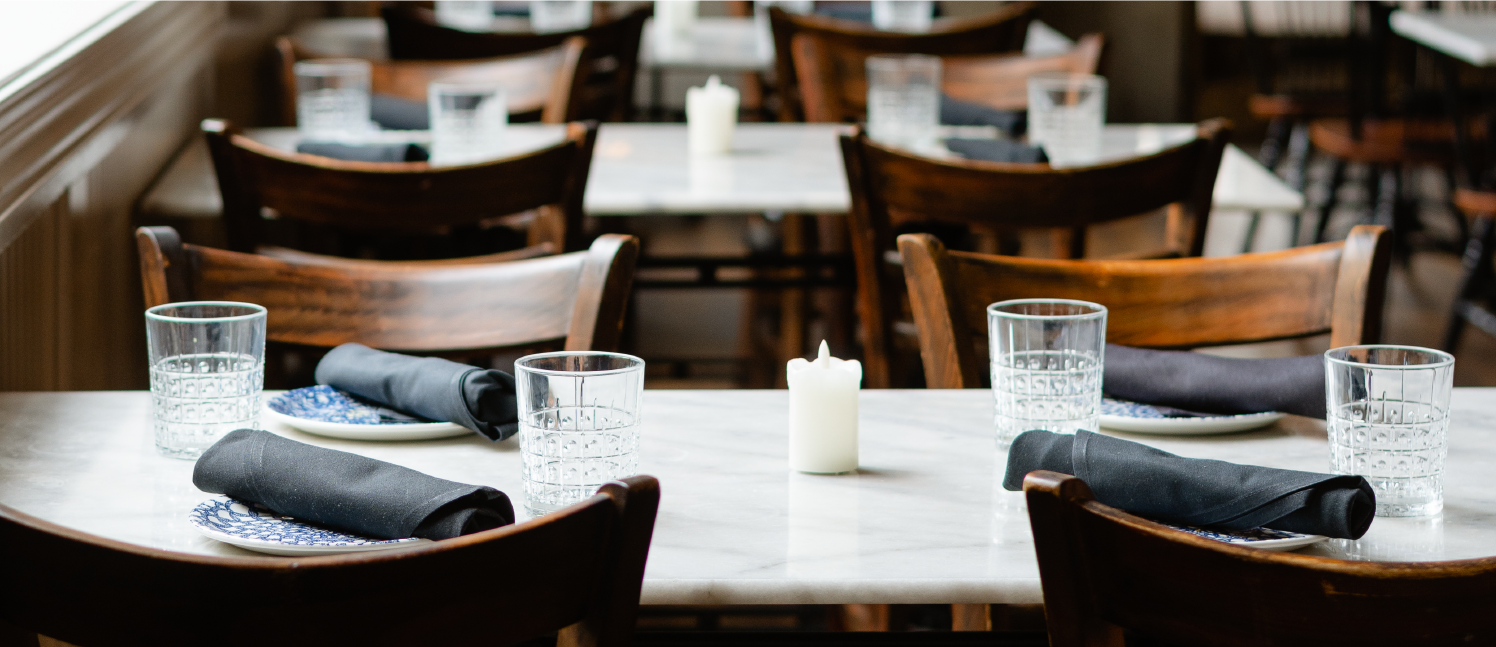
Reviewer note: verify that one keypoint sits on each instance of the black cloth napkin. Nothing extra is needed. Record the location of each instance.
(395, 113)
(433, 388)
(954, 112)
(365, 152)
(346, 491)
(1195, 491)
(997, 150)
(1216, 385)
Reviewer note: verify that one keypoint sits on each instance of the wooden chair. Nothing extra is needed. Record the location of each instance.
(1475, 299)
(607, 67)
(578, 570)
(542, 189)
(1337, 288)
(890, 186)
(995, 33)
(538, 86)
(1105, 571)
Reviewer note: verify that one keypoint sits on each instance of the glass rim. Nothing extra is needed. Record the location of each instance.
(1097, 310)
(152, 312)
(1445, 359)
(312, 64)
(638, 363)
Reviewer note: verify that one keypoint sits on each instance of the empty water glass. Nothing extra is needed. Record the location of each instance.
(578, 424)
(903, 100)
(1047, 356)
(549, 16)
(1065, 116)
(910, 16)
(468, 120)
(207, 372)
(1387, 416)
(332, 99)
(469, 15)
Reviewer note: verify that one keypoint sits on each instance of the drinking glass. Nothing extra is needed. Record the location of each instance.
(578, 424)
(1065, 115)
(549, 16)
(903, 99)
(910, 16)
(1046, 365)
(468, 120)
(1387, 415)
(332, 98)
(207, 372)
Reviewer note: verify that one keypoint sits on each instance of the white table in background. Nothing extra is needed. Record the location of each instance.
(923, 521)
(717, 43)
(1468, 37)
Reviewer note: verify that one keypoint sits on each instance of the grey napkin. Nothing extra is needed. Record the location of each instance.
(346, 491)
(430, 387)
(395, 113)
(1216, 385)
(954, 112)
(365, 152)
(1195, 491)
(997, 150)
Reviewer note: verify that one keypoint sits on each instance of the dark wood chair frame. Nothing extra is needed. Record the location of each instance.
(1339, 288)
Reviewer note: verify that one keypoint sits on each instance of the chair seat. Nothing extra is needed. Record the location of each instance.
(1277, 106)
(1387, 141)
(1473, 202)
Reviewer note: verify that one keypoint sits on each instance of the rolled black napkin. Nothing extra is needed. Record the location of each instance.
(1196, 491)
(1211, 384)
(436, 389)
(346, 491)
(365, 152)
(996, 150)
(394, 113)
(954, 112)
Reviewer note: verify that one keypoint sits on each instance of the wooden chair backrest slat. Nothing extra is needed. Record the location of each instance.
(1105, 571)
(1337, 288)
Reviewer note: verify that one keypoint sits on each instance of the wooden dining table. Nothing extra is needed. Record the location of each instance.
(923, 520)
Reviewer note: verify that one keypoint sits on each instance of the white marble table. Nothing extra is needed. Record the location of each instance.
(1468, 37)
(728, 44)
(923, 521)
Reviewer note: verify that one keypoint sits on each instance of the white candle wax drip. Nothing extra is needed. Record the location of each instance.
(711, 115)
(823, 413)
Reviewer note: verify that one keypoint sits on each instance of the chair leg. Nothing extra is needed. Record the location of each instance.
(1251, 234)
(1337, 176)
(1474, 278)
(1298, 171)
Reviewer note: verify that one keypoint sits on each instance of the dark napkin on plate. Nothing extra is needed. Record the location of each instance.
(954, 112)
(365, 152)
(1216, 385)
(433, 388)
(997, 150)
(395, 113)
(346, 491)
(1196, 491)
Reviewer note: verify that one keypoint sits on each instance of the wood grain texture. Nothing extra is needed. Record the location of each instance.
(583, 565)
(1174, 303)
(1104, 571)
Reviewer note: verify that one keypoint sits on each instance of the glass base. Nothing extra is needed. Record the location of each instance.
(1410, 509)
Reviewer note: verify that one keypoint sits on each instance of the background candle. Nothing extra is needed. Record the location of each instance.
(711, 114)
(823, 413)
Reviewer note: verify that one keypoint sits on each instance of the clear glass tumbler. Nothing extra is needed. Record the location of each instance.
(207, 372)
(909, 16)
(550, 16)
(1065, 116)
(332, 98)
(1387, 416)
(468, 120)
(578, 424)
(903, 100)
(1046, 365)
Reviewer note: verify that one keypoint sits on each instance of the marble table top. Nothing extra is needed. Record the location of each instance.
(923, 520)
(1468, 37)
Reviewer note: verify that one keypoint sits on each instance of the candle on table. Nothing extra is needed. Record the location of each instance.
(711, 115)
(823, 413)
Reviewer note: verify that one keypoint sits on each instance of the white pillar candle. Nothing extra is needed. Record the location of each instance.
(711, 115)
(823, 413)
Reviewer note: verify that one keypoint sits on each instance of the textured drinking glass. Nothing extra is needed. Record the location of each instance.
(467, 121)
(1046, 365)
(549, 16)
(1065, 115)
(332, 98)
(207, 372)
(910, 16)
(1387, 414)
(578, 424)
(903, 99)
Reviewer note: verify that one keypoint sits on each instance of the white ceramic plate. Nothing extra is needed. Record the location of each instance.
(1136, 417)
(325, 411)
(254, 527)
(1264, 538)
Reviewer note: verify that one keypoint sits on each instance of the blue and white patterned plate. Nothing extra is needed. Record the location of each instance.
(326, 411)
(1136, 417)
(252, 526)
(1264, 538)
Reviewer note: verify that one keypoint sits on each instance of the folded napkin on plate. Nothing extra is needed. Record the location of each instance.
(394, 113)
(996, 150)
(365, 152)
(1195, 491)
(346, 491)
(433, 388)
(1211, 384)
(954, 112)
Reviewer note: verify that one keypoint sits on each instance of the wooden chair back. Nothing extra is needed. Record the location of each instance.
(399, 198)
(410, 306)
(578, 570)
(1105, 571)
(889, 186)
(606, 71)
(1337, 288)
(994, 33)
(537, 85)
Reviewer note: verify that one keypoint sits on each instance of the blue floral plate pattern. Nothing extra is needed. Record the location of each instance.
(1136, 417)
(326, 411)
(254, 527)
(1264, 538)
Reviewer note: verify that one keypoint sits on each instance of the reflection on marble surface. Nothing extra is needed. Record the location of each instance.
(922, 521)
